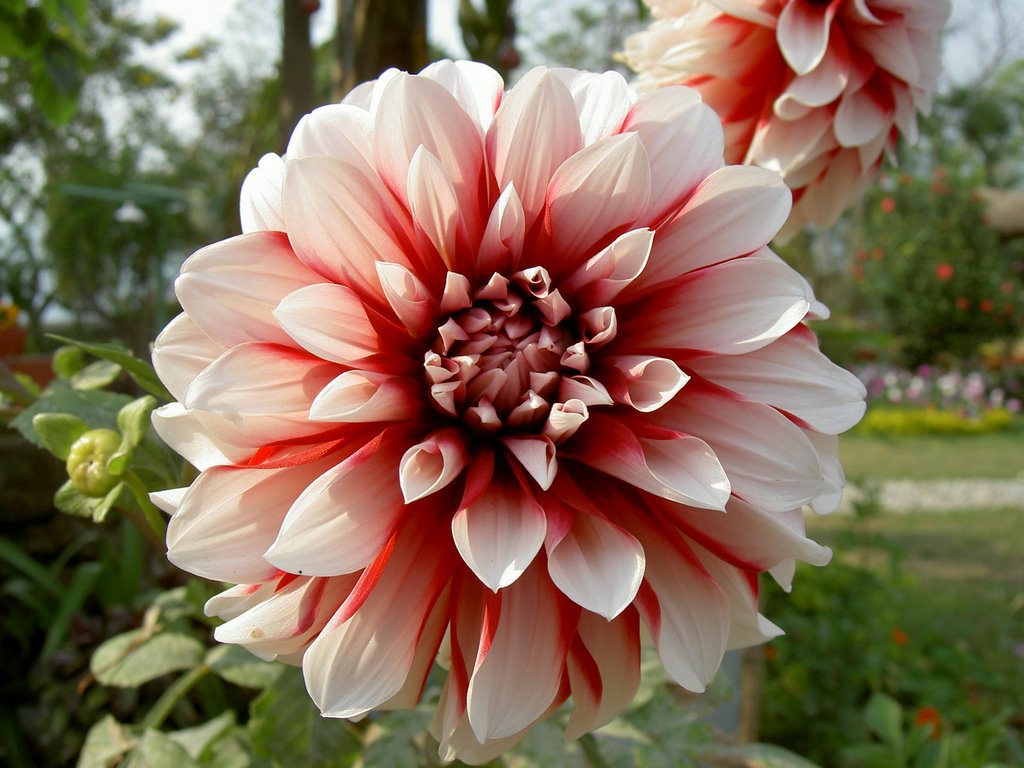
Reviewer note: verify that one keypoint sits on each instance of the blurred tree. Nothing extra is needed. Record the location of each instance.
(373, 35)
(67, 249)
(489, 33)
(583, 34)
(296, 66)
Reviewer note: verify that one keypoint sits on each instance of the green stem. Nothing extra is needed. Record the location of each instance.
(165, 704)
(154, 519)
(591, 752)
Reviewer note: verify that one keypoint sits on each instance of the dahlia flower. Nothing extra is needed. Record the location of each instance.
(817, 90)
(491, 379)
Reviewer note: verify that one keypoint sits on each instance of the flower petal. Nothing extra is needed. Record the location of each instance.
(644, 382)
(366, 396)
(597, 565)
(260, 206)
(682, 469)
(598, 190)
(180, 353)
(431, 465)
(230, 288)
(518, 675)
(360, 664)
(734, 211)
(343, 519)
(534, 130)
(792, 375)
(329, 321)
(744, 304)
(499, 533)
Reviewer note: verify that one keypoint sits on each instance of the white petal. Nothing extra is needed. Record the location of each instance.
(645, 382)
(536, 454)
(534, 130)
(365, 396)
(230, 516)
(734, 211)
(230, 288)
(684, 469)
(517, 680)
(597, 565)
(499, 533)
(596, 191)
(180, 353)
(260, 197)
(330, 321)
(344, 518)
(433, 464)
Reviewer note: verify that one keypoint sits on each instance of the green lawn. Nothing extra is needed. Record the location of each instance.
(998, 454)
(964, 551)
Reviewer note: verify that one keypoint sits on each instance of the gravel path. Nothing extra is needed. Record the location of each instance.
(943, 495)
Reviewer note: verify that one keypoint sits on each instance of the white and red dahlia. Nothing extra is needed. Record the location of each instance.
(817, 90)
(492, 379)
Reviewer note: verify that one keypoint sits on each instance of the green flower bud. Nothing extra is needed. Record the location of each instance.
(87, 462)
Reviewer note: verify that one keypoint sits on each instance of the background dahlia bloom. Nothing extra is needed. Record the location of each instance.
(493, 378)
(816, 90)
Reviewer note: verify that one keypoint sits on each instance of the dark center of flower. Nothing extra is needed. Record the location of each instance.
(499, 359)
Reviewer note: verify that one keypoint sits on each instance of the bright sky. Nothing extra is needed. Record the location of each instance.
(973, 26)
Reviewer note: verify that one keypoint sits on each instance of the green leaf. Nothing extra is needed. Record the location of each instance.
(74, 598)
(95, 407)
(132, 421)
(67, 361)
(196, 740)
(139, 370)
(56, 81)
(158, 750)
(395, 740)
(96, 375)
(105, 744)
(231, 750)
(285, 723)
(136, 657)
(71, 501)
(58, 431)
(884, 716)
(238, 666)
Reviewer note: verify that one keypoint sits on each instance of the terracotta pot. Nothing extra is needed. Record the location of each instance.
(12, 341)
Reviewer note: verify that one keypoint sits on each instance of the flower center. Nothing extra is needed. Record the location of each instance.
(498, 361)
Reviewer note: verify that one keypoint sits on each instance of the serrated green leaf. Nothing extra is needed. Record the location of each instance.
(105, 744)
(238, 666)
(883, 715)
(58, 431)
(285, 723)
(139, 370)
(95, 407)
(134, 658)
(196, 740)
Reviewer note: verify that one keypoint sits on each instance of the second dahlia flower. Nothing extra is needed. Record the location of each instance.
(493, 378)
(816, 90)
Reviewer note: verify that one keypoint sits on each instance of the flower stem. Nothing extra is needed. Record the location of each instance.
(165, 704)
(152, 524)
(591, 752)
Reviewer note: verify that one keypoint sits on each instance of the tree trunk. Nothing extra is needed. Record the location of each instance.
(297, 96)
(373, 35)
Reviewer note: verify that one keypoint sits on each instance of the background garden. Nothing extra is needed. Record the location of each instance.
(124, 143)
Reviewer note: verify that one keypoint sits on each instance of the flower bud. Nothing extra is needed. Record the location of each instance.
(87, 462)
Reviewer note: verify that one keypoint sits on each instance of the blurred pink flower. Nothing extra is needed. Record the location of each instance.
(492, 378)
(814, 89)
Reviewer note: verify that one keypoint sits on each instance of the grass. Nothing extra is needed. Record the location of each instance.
(923, 457)
(960, 551)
